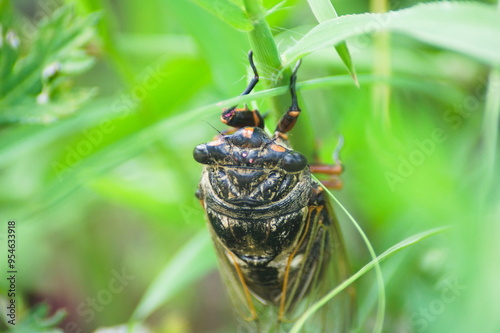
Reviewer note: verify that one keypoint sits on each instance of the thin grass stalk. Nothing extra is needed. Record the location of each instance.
(491, 122)
(381, 92)
(379, 319)
(323, 10)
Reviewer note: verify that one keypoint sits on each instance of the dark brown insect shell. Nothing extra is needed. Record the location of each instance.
(250, 147)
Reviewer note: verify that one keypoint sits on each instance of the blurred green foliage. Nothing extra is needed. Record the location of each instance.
(102, 102)
(34, 86)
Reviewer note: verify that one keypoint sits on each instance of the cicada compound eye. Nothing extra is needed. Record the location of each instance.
(293, 162)
(201, 154)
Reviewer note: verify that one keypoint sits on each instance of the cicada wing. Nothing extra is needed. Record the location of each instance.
(324, 265)
(257, 315)
(339, 311)
(237, 289)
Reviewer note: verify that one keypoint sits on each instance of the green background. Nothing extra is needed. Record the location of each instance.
(101, 180)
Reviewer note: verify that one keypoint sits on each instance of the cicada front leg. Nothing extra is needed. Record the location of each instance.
(289, 119)
(239, 118)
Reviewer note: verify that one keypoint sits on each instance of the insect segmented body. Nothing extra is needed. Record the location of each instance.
(275, 235)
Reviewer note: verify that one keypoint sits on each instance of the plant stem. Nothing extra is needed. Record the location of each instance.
(273, 74)
(262, 41)
(266, 53)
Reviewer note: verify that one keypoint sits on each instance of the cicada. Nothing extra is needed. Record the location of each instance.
(276, 236)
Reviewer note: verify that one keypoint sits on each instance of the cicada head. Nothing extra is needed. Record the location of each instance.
(248, 168)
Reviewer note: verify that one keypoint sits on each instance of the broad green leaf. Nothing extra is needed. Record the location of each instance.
(187, 265)
(469, 28)
(323, 10)
(228, 12)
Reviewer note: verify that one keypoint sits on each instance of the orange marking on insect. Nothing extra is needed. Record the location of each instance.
(216, 142)
(294, 113)
(256, 120)
(248, 132)
(281, 135)
(278, 148)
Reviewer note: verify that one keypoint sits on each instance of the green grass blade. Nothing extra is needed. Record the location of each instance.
(188, 264)
(379, 321)
(372, 264)
(491, 121)
(323, 10)
(438, 24)
(227, 12)
(345, 56)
